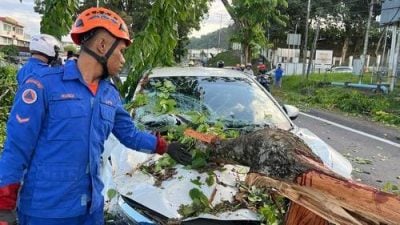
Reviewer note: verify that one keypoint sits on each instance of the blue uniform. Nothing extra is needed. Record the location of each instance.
(56, 131)
(278, 73)
(33, 65)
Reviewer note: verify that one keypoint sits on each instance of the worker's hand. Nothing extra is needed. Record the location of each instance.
(7, 217)
(177, 151)
(8, 196)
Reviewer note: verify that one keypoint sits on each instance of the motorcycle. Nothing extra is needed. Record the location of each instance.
(265, 80)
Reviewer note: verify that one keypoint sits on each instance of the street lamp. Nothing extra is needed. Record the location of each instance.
(306, 37)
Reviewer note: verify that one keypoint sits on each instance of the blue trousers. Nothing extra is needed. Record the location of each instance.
(96, 218)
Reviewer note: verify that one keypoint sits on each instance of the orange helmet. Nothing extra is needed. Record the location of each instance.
(100, 18)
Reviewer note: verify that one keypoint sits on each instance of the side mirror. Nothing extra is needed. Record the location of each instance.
(291, 111)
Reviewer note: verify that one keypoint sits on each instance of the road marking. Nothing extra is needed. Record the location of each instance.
(352, 130)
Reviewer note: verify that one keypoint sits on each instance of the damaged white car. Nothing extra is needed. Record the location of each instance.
(151, 189)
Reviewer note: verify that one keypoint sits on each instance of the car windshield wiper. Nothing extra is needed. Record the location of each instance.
(240, 124)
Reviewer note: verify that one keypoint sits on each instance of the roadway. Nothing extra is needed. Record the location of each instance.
(373, 149)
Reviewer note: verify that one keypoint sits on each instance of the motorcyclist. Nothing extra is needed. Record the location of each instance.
(248, 70)
(262, 69)
(44, 49)
(263, 78)
(57, 127)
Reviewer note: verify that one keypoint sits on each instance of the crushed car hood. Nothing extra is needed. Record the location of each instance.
(122, 171)
(130, 181)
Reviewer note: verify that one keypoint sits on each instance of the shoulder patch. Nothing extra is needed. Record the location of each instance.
(29, 96)
(35, 82)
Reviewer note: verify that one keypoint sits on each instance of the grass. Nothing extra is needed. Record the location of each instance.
(314, 92)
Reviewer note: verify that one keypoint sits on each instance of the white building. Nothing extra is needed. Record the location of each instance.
(12, 33)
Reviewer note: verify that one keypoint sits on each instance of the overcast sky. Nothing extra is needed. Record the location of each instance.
(218, 17)
(24, 14)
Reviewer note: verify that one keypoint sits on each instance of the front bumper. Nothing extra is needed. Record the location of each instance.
(136, 214)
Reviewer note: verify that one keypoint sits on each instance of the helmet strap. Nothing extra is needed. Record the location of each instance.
(102, 59)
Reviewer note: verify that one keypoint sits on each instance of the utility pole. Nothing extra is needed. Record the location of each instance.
(306, 38)
(219, 32)
(314, 48)
(392, 47)
(393, 73)
(363, 56)
(382, 62)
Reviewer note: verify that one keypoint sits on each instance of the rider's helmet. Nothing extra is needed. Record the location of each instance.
(248, 65)
(261, 67)
(46, 45)
(220, 64)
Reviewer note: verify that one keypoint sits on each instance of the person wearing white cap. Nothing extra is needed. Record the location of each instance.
(44, 49)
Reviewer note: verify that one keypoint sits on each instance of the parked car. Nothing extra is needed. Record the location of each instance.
(342, 69)
(236, 100)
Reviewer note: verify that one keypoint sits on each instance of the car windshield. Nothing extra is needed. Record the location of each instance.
(235, 101)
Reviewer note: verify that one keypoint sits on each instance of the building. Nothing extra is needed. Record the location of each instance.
(12, 33)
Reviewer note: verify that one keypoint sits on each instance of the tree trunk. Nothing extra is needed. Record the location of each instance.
(247, 53)
(344, 49)
(282, 161)
(298, 215)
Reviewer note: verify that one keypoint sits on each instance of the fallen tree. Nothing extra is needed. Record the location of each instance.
(280, 160)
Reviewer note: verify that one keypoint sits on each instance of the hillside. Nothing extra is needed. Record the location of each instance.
(211, 40)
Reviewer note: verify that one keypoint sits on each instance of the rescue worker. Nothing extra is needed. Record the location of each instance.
(44, 49)
(57, 128)
(278, 76)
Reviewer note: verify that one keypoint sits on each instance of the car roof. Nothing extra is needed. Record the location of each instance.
(196, 72)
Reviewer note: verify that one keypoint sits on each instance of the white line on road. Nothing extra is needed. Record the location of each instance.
(352, 130)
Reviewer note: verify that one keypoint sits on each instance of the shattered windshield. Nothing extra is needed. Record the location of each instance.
(235, 101)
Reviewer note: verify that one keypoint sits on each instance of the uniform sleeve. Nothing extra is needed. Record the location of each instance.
(23, 128)
(126, 132)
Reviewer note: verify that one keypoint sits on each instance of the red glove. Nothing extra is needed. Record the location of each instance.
(8, 196)
(8, 217)
(162, 145)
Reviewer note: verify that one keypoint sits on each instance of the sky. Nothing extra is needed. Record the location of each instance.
(217, 18)
(23, 12)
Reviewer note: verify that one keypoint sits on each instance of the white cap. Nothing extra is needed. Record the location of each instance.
(45, 44)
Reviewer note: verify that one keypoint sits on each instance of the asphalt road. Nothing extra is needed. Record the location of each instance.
(373, 149)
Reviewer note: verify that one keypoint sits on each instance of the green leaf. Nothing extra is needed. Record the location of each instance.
(111, 193)
(210, 179)
(197, 182)
(198, 197)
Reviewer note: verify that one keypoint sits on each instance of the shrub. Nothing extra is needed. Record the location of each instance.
(7, 91)
(313, 92)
